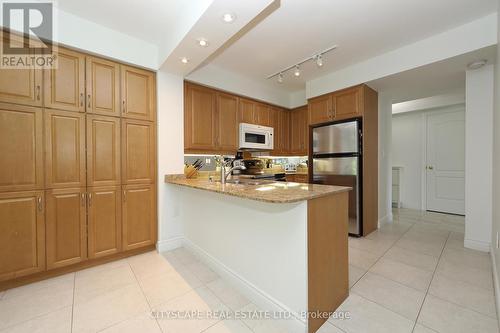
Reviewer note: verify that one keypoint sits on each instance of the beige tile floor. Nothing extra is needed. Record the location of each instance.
(410, 276)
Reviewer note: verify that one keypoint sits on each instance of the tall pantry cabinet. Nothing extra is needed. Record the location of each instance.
(77, 164)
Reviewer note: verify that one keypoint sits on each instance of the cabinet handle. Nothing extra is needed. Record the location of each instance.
(40, 207)
(124, 196)
(81, 99)
(90, 199)
(38, 92)
(88, 101)
(124, 109)
(83, 199)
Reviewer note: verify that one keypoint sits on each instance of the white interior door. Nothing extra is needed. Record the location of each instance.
(445, 167)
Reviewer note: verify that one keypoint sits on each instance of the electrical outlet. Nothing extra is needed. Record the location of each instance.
(208, 160)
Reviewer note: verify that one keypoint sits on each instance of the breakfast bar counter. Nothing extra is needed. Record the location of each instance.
(283, 245)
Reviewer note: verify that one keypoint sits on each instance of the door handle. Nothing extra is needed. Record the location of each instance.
(124, 196)
(90, 199)
(430, 167)
(81, 99)
(88, 101)
(83, 199)
(38, 92)
(123, 103)
(40, 207)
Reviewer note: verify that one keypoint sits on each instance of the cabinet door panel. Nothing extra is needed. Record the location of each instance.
(104, 221)
(22, 234)
(65, 85)
(138, 93)
(299, 131)
(262, 115)
(103, 87)
(66, 227)
(247, 111)
(64, 149)
(139, 216)
(103, 151)
(138, 152)
(227, 122)
(20, 86)
(348, 103)
(21, 147)
(320, 110)
(200, 118)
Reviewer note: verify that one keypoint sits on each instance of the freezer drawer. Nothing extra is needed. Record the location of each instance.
(336, 138)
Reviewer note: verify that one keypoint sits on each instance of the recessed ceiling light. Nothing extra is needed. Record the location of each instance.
(203, 42)
(228, 17)
(184, 60)
(477, 64)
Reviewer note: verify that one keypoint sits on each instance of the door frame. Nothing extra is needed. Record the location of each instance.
(425, 116)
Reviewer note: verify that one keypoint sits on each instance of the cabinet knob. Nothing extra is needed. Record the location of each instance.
(90, 199)
(83, 199)
(88, 101)
(40, 206)
(81, 99)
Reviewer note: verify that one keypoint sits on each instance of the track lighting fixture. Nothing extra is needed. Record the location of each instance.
(317, 58)
(297, 71)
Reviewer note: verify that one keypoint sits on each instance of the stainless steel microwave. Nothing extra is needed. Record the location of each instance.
(255, 137)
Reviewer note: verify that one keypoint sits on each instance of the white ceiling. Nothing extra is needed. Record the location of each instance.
(362, 29)
(435, 79)
(148, 20)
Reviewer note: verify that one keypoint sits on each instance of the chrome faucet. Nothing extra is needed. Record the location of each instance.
(223, 164)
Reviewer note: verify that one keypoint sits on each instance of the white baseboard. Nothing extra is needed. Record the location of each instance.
(496, 284)
(477, 245)
(252, 292)
(385, 219)
(169, 244)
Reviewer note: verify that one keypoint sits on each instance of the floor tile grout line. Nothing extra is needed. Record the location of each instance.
(429, 286)
(73, 303)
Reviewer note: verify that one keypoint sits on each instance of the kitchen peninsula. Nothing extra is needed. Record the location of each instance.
(283, 244)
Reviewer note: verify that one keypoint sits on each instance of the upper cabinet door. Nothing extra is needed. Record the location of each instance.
(320, 110)
(21, 144)
(138, 93)
(65, 86)
(227, 122)
(20, 86)
(247, 111)
(64, 149)
(138, 152)
(262, 114)
(348, 103)
(22, 240)
(103, 151)
(199, 118)
(103, 87)
(66, 227)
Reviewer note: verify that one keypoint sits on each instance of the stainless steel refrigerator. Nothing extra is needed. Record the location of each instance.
(336, 159)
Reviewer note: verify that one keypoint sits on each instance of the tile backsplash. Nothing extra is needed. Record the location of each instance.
(289, 163)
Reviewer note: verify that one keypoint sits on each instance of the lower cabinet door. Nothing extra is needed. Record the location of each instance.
(139, 216)
(66, 227)
(22, 234)
(104, 221)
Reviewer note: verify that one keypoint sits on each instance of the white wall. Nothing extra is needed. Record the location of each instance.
(495, 251)
(408, 150)
(170, 90)
(479, 157)
(384, 158)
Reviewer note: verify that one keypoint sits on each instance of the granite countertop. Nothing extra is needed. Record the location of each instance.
(278, 192)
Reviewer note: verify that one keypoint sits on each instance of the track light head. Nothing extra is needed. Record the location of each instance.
(280, 78)
(297, 71)
(319, 60)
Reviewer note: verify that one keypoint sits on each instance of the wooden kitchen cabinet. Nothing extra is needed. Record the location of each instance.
(103, 87)
(103, 151)
(227, 128)
(199, 118)
(320, 110)
(21, 147)
(64, 86)
(299, 131)
(64, 149)
(247, 111)
(104, 221)
(138, 216)
(280, 121)
(22, 236)
(262, 114)
(347, 103)
(20, 86)
(138, 152)
(138, 91)
(66, 241)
